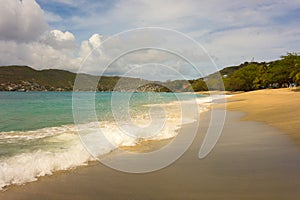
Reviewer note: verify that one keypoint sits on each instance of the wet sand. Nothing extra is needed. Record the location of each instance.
(252, 160)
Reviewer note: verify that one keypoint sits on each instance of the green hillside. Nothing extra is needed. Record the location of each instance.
(254, 75)
(47, 78)
(247, 76)
(276, 74)
(24, 78)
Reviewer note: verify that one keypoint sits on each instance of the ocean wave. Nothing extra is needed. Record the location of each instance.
(27, 167)
(60, 148)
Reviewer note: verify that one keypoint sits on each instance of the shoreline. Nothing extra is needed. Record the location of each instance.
(67, 157)
(246, 163)
(279, 108)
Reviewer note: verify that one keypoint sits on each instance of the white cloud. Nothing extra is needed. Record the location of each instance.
(51, 17)
(62, 36)
(232, 30)
(21, 20)
(66, 2)
(95, 40)
(232, 47)
(69, 2)
(89, 45)
(59, 40)
(36, 54)
(142, 46)
(228, 28)
(25, 39)
(154, 12)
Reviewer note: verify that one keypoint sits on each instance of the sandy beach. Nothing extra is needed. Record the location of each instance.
(256, 158)
(276, 107)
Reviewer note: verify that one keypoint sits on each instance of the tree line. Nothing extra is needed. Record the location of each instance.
(254, 75)
(245, 77)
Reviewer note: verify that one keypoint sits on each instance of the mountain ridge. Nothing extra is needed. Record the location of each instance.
(246, 76)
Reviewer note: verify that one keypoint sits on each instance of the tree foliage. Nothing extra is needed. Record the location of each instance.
(280, 73)
(247, 76)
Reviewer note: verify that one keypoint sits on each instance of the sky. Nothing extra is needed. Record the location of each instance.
(192, 38)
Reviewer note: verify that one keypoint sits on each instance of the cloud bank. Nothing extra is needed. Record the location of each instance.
(21, 21)
(61, 33)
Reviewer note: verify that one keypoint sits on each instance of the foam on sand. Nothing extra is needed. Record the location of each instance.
(32, 154)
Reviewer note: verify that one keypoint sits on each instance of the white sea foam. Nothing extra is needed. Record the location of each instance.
(26, 167)
(36, 134)
(61, 148)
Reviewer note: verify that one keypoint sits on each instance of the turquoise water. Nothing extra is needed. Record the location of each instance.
(34, 110)
(38, 135)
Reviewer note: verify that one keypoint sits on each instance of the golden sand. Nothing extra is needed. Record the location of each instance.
(147, 146)
(245, 164)
(276, 107)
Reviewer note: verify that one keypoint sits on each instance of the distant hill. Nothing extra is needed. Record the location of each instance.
(47, 78)
(247, 76)
(24, 78)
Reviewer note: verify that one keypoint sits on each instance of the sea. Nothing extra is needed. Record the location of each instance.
(39, 136)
